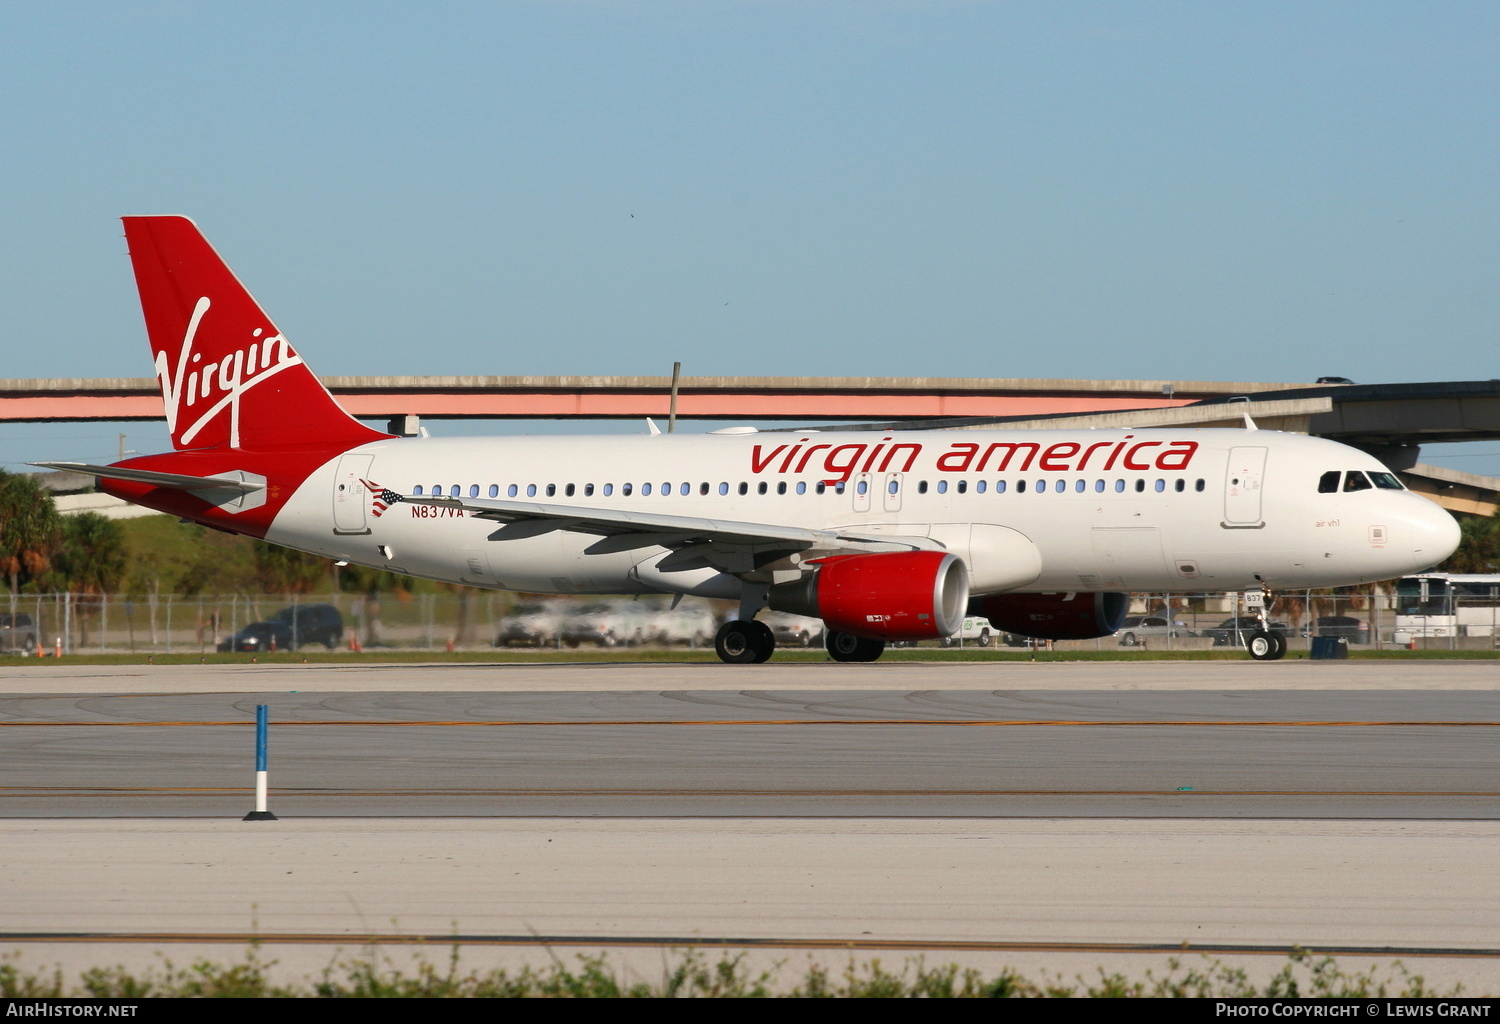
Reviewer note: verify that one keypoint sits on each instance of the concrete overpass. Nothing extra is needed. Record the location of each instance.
(1388, 420)
(762, 398)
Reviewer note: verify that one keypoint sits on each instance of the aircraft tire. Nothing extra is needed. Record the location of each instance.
(1266, 646)
(764, 641)
(848, 647)
(744, 643)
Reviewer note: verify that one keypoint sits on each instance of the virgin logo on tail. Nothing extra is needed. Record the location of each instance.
(230, 378)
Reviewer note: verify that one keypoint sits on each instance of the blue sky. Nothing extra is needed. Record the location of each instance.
(1223, 191)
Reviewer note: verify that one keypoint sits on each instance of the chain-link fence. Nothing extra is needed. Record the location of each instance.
(474, 620)
(106, 623)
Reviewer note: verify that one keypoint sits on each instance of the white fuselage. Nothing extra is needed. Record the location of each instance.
(1027, 511)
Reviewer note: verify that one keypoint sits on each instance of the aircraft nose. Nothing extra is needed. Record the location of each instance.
(1433, 534)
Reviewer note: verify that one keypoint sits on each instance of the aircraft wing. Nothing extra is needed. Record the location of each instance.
(726, 544)
(179, 481)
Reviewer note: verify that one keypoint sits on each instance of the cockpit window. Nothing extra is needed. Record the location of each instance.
(1387, 481)
(1328, 483)
(1354, 480)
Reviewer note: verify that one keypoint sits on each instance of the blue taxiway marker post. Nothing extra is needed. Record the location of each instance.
(262, 728)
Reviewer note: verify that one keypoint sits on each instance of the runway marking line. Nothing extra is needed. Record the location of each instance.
(88, 791)
(738, 942)
(979, 723)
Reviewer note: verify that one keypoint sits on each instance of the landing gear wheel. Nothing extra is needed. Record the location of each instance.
(1264, 645)
(848, 647)
(744, 643)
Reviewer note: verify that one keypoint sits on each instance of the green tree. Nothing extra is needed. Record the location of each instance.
(30, 529)
(1478, 546)
(90, 556)
(89, 564)
(282, 570)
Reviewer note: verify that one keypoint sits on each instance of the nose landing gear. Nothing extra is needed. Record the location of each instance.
(1265, 644)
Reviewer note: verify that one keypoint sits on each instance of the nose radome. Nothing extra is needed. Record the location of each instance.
(1434, 533)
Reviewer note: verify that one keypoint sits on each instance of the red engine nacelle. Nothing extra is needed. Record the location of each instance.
(897, 595)
(1054, 616)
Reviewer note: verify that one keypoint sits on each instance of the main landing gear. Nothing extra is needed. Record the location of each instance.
(848, 647)
(744, 642)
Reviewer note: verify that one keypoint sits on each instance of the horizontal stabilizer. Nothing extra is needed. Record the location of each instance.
(178, 481)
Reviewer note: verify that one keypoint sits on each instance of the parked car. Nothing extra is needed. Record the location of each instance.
(590, 624)
(289, 629)
(795, 630)
(1224, 633)
(17, 632)
(528, 625)
(1355, 631)
(1138, 628)
(975, 629)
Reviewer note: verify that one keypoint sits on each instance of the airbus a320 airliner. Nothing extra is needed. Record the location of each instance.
(885, 536)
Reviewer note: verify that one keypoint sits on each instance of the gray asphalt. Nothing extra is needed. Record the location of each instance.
(718, 753)
(1010, 807)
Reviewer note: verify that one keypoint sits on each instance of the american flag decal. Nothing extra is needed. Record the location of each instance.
(383, 499)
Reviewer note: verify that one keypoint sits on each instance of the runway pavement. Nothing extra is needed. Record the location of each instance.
(1343, 805)
(28, 676)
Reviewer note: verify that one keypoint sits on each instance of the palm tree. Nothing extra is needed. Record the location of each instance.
(30, 530)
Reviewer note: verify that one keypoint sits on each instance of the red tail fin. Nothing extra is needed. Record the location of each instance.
(228, 377)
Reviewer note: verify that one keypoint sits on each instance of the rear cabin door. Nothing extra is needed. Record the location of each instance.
(351, 496)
